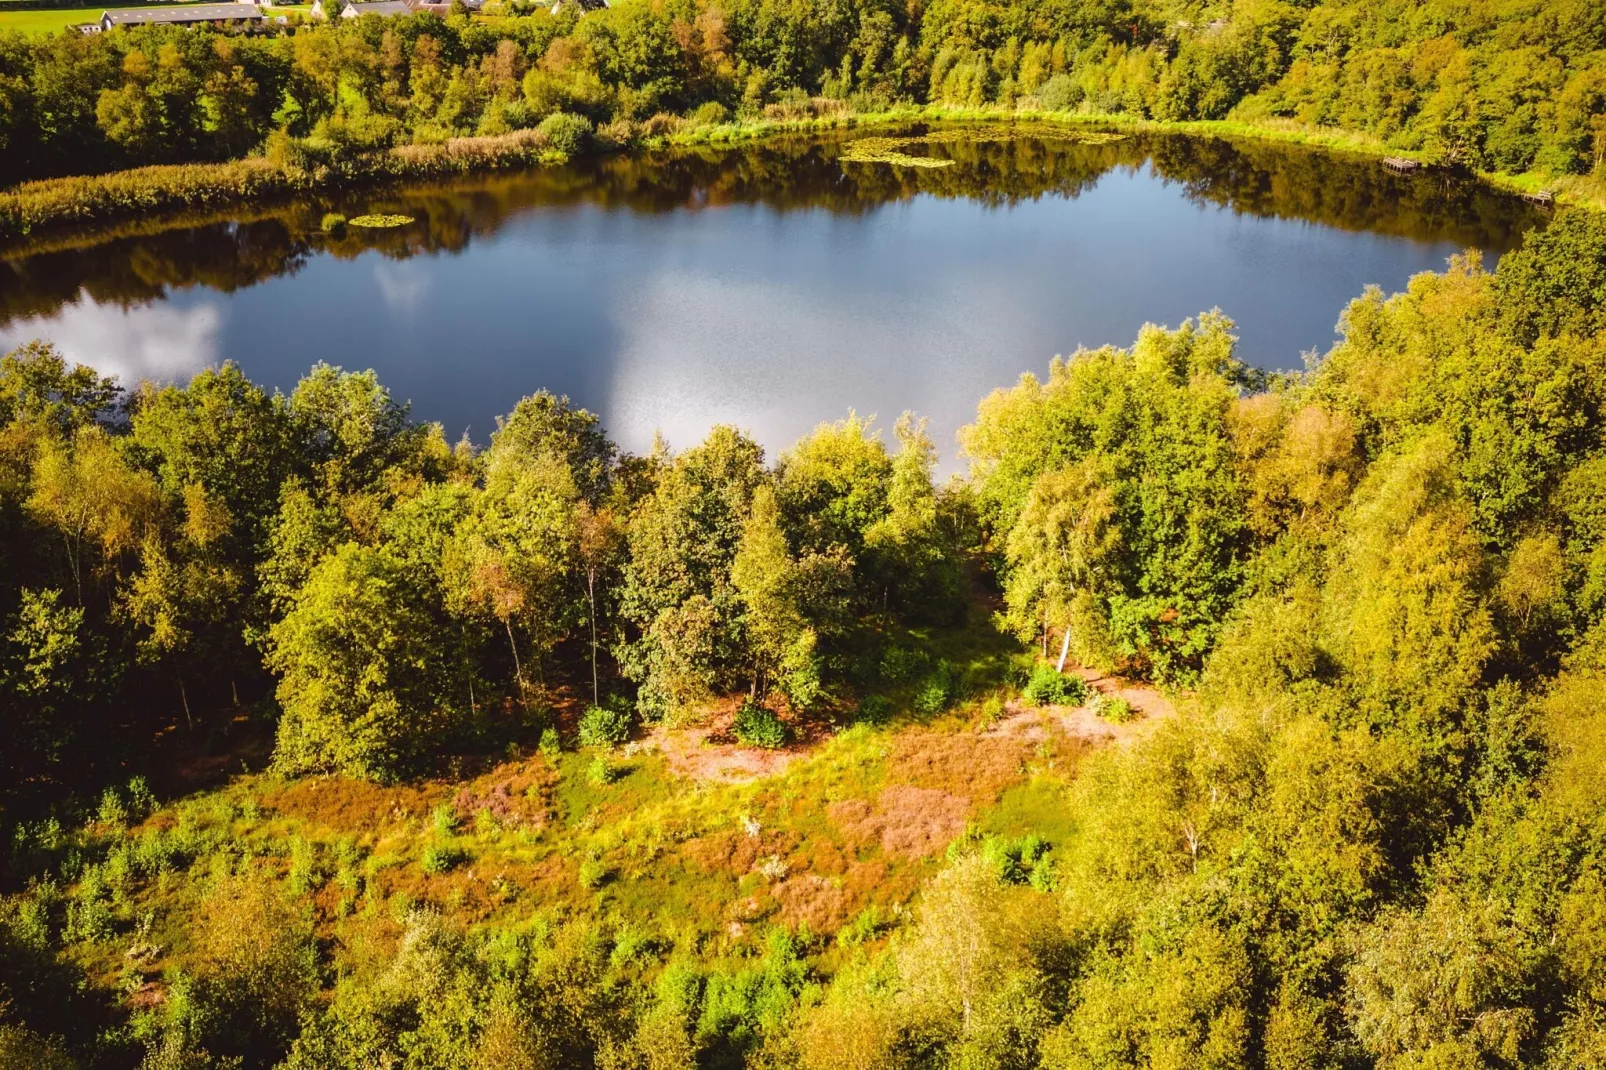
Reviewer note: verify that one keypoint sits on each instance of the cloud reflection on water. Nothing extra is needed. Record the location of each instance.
(403, 285)
(159, 342)
(697, 348)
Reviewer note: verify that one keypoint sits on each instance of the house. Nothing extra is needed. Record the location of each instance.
(386, 8)
(583, 5)
(352, 10)
(200, 14)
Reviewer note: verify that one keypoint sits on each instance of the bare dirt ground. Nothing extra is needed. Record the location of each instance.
(709, 751)
(1032, 723)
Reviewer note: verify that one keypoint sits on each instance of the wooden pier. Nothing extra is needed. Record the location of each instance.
(1543, 198)
(1400, 165)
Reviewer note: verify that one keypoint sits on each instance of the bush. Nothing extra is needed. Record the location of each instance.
(112, 811)
(1112, 709)
(333, 223)
(900, 663)
(602, 772)
(875, 710)
(602, 726)
(1059, 93)
(757, 726)
(442, 858)
(992, 710)
(566, 133)
(937, 691)
(141, 801)
(865, 926)
(550, 746)
(594, 873)
(1048, 687)
(711, 114)
(1020, 861)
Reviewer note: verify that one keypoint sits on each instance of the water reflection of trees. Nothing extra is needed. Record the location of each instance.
(143, 263)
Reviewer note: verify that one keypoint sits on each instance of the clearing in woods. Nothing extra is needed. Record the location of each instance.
(681, 832)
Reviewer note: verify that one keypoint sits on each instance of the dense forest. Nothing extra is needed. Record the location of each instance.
(332, 743)
(1507, 85)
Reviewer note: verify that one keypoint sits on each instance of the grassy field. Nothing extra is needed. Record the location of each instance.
(58, 19)
(47, 22)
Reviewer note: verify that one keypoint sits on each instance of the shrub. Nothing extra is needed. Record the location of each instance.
(937, 691)
(442, 858)
(594, 873)
(711, 114)
(566, 133)
(601, 726)
(1019, 861)
(900, 663)
(305, 872)
(444, 819)
(333, 223)
(1059, 93)
(550, 745)
(875, 710)
(602, 772)
(112, 811)
(140, 800)
(992, 710)
(866, 925)
(1112, 709)
(757, 726)
(1048, 687)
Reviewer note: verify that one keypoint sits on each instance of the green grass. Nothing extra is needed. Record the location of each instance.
(47, 22)
(58, 19)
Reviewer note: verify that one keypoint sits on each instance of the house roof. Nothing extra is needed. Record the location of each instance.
(380, 7)
(196, 13)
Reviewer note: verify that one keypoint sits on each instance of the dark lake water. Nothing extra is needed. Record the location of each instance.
(771, 287)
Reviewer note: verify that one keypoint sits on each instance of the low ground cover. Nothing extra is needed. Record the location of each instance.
(827, 838)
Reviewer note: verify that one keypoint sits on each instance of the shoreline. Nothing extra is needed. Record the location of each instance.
(1571, 191)
(73, 210)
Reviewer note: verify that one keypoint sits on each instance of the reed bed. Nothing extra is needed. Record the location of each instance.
(35, 208)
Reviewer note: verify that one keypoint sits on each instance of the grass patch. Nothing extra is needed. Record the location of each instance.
(45, 23)
(55, 20)
(1034, 807)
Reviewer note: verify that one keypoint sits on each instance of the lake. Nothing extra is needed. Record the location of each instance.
(771, 286)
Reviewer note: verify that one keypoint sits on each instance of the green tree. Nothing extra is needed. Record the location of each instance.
(366, 683)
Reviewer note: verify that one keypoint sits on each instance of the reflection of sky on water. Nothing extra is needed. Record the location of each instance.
(167, 341)
(773, 321)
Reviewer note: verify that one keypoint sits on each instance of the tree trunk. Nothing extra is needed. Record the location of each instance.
(1065, 649)
(591, 596)
(518, 669)
(185, 698)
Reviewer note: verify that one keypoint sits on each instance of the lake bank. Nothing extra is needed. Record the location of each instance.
(94, 203)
